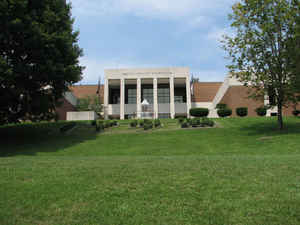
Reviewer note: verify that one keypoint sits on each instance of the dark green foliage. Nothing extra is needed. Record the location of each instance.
(261, 111)
(205, 122)
(141, 123)
(242, 111)
(296, 112)
(115, 122)
(39, 58)
(99, 126)
(224, 112)
(67, 127)
(199, 112)
(195, 122)
(106, 124)
(221, 106)
(185, 124)
(133, 123)
(157, 123)
(93, 122)
(180, 120)
(148, 125)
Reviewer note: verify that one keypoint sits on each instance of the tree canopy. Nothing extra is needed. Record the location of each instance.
(264, 49)
(39, 57)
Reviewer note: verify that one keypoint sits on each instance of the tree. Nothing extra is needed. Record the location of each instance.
(264, 47)
(39, 57)
(89, 103)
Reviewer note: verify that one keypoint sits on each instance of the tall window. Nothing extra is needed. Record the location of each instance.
(131, 96)
(147, 93)
(163, 95)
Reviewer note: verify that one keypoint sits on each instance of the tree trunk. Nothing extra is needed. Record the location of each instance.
(279, 115)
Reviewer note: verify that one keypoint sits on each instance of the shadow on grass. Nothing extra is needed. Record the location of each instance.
(29, 139)
(271, 127)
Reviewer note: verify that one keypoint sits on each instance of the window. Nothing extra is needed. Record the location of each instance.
(131, 96)
(163, 95)
(148, 94)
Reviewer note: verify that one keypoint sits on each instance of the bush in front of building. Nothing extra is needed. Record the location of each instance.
(141, 123)
(99, 126)
(205, 122)
(148, 125)
(261, 111)
(199, 112)
(242, 111)
(296, 112)
(133, 123)
(224, 112)
(180, 120)
(157, 123)
(93, 123)
(185, 124)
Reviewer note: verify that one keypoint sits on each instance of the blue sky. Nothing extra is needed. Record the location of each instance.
(152, 33)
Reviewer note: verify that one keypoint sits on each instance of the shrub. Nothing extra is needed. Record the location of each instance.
(180, 120)
(106, 124)
(157, 123)
(99, 126)
(207, 122)
(93, 123)
(184, 125)
(148, 126)
(133, 123)
(261, 111)
(147, 121)
(141, 123)
(195, 122)
(242, 111)
(296, 112)
(67, 127)
(221, 106)
(224, 112)
(199, 112)
(115, 123)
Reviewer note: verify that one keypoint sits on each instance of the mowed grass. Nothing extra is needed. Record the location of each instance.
(246, 172)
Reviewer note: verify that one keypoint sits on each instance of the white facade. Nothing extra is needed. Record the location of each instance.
(118, 82)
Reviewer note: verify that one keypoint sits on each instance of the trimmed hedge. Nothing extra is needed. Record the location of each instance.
(261, 111)
(242, 111)
(133, 123)
(199, 112)
(224, 112)
(180, 120)
(157, 123)
(67, 127)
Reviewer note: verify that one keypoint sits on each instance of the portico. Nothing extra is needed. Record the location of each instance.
(167, 90)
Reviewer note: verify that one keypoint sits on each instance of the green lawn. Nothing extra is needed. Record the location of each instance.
(244, 172)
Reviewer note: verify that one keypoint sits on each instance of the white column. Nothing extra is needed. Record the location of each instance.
(155, 100)
(138, 97)
(122, 99)
(172, 99)
(188, 95)
(106, 98)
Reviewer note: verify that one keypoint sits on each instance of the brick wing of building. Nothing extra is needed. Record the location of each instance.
(167, 92)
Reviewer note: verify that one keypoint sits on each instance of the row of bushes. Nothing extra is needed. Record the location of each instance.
(100, 125)
(224, 111)
(147, 124)
(196, 122)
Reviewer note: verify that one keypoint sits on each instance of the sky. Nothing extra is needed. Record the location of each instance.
(117, 34)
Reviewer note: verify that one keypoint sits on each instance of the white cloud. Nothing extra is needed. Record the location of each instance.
(149, 8)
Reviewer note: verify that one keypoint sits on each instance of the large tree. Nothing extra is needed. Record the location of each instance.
(263, 49)
(39, 57)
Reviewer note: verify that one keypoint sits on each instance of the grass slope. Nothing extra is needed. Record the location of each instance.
(244, 173)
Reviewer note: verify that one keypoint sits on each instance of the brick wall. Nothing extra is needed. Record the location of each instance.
(64, 108)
